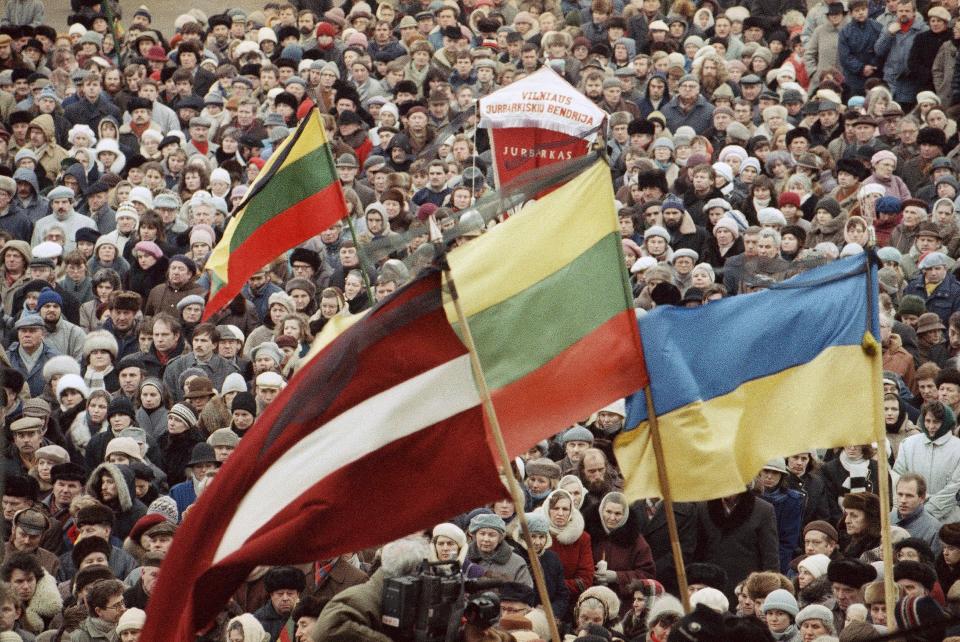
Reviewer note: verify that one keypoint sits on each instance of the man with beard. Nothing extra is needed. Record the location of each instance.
(684, 233)
(598, 477)
(616, 539)
(62, 215)
(62, 336)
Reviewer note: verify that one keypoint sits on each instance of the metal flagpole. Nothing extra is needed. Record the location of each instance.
(667, 501)
(491, 414)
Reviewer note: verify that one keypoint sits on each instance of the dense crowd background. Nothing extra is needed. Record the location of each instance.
(746, 143)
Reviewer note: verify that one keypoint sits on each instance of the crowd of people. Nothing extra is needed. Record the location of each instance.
(746, 143)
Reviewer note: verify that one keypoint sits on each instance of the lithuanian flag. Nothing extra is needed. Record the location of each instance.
(296, 196)
(548, 300)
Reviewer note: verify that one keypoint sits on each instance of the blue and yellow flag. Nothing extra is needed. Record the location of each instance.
(740, 381)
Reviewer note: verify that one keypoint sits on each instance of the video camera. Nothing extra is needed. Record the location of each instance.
(430, 605)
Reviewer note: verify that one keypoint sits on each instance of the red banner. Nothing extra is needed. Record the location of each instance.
(520, 149)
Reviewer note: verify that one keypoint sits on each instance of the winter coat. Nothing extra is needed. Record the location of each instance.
(945, 299)
(552, 573)
(16, 223)
(502, 563)
(164, 297)
(177, 450)
(943, 70)
(939, 463)
(70, 224)
(788, 508)
(50, 155)
(925, 47)
(921, 525)
(829, 232)
(127, 509)
(834, 474)
(770, 12)
(23, 13)
(353, 615)
(49, 561)
(342, 576)
(271, 621)
(143, 281)
(895, 48)
(815, 504)
(93, 629)
(700, 115)
(572, 546)
(740, 543)
(821, 52)
(84, 112)
(217, 369)
(654, 530)
(626, 551)
(855, 50)
(67, 339)
(121, 564)
(34, 375)
(43, 607)
(903, 237)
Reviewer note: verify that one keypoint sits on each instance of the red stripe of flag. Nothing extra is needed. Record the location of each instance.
(407, 485)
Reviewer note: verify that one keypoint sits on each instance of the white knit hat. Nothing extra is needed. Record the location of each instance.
(133, 619)
(712, 598)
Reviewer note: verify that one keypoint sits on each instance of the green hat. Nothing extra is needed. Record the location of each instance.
(911, 304)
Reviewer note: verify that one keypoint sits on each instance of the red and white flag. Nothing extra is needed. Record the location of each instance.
(379, 436)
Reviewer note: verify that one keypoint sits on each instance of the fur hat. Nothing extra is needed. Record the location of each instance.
(851, 572)
(543, 467)
(100, 340)
(126, 300)
(94, 514)
(59, 366)
(866, 502)
(708, 574)
(916, 571)
(873, 593)
(284, 577)
(950, 534)
(88, 545)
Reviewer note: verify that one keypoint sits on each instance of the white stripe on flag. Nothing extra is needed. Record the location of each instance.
(411, 406)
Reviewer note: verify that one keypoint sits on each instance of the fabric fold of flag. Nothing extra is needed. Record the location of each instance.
(549, 303)
(295, 196)
(740, 381)
(386, 418)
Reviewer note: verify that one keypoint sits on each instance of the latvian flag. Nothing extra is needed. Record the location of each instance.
(379, 436)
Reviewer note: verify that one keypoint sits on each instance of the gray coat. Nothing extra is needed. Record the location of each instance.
(502, 563)
(217, 369)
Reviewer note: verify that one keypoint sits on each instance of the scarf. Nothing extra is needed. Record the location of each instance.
(854, 467)
(94, 379)
(786, 635)
(759, 204)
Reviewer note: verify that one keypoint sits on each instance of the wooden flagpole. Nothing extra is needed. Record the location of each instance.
(873, 348)
(667, 501)
(491, 414)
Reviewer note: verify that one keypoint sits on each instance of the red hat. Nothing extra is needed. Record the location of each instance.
(256, 160)
(419, 109)
(156, 54)
(326, 29)
(425, 210)
(144, 524)
(789, 198)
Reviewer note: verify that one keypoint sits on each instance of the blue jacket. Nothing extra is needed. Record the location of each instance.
(34, 376)
(184, 494)
(945, 300)
(855, 49)
(261, 300)
(788, 508)
(895, 48)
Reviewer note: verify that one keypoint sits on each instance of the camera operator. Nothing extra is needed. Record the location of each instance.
(353, 615)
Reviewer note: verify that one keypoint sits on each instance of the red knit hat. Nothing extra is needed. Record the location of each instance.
(789, 198)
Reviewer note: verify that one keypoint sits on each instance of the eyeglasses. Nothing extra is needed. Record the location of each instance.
(117, 606)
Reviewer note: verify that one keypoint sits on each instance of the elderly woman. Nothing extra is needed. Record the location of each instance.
(884, 163)
(571, 542)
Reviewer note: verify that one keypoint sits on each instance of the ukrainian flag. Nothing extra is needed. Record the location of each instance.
(740, 381)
